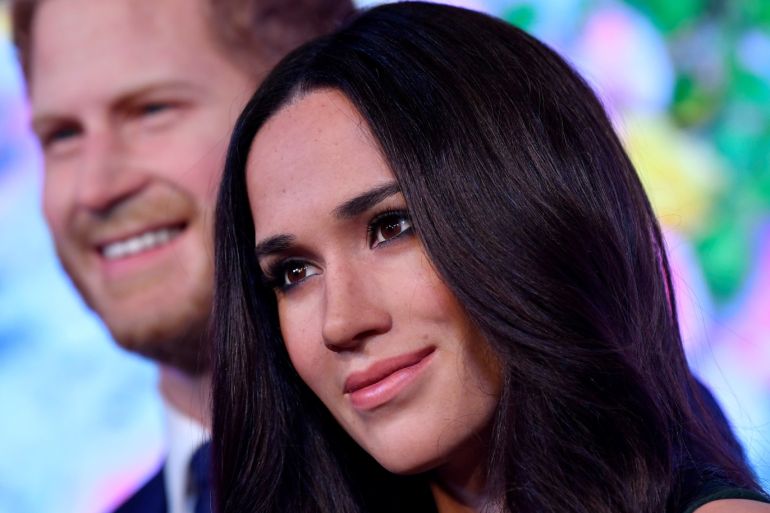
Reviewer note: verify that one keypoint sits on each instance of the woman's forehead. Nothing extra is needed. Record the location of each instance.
(314, 153)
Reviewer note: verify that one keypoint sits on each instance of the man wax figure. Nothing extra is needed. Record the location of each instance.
(133, 102)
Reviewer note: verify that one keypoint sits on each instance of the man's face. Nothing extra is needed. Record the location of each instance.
(134, 103)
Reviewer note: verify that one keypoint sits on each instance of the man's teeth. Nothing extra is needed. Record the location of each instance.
(143, 242)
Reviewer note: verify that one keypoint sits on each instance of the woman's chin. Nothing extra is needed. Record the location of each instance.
(406, 465)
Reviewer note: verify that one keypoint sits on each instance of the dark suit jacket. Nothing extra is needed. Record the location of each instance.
(150, 498)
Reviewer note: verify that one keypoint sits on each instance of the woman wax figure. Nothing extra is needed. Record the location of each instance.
(441, 287)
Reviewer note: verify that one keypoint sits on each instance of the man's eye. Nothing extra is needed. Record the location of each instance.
(387, 227)
(60, 135)
(152, 108)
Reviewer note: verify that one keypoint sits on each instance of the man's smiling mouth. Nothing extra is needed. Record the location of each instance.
(139, 243)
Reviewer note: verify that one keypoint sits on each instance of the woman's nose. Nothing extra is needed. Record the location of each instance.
(354, 309)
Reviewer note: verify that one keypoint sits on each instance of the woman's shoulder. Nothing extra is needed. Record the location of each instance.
(734, 506)
(717, 495)
(727, 499)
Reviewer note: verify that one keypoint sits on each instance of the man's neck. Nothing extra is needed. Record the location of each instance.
(190, 395)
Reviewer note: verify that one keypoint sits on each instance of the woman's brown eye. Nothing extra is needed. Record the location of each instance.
(295, 273)
(390, 230)
(389, 227)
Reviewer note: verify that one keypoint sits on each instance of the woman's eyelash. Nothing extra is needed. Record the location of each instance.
(392, 219)
(273, 275)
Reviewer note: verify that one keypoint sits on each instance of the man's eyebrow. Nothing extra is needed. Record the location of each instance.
(274, 244)
(138, 94)
(41, 120)
(40, 124)
(363, 202)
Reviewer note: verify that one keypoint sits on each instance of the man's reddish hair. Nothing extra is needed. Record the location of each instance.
(254, 33)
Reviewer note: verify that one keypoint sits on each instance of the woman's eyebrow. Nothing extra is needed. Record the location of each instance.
(347, 210)
(274, 244)
(363, 202)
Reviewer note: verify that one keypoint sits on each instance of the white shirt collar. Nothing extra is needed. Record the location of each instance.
(184, 436)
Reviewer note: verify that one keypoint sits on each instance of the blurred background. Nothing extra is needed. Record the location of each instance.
(688, 86)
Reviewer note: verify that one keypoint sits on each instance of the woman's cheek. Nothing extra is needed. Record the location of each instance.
(303, 342)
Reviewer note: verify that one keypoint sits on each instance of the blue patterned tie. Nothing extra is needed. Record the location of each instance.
(200, 472)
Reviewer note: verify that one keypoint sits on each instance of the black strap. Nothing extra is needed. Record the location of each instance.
(727, 493)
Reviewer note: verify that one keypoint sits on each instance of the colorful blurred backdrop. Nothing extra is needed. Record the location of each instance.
(688, 86)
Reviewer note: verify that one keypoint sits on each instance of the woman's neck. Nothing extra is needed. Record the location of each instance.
(472, 499)
(460, 486)
(452, 501)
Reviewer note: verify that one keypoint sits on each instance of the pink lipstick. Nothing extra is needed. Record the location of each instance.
(385, 379)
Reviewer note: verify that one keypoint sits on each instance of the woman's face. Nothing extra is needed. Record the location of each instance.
(367, 322)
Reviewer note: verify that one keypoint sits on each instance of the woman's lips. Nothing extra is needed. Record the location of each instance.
(385, 379)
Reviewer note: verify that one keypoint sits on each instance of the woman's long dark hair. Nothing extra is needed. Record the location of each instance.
(534, 217)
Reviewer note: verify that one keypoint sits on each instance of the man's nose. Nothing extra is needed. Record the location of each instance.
(354, 308)
(104, 176)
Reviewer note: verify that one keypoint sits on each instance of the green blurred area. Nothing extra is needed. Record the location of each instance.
(721, 56)
(671, 15)
(732, 111)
